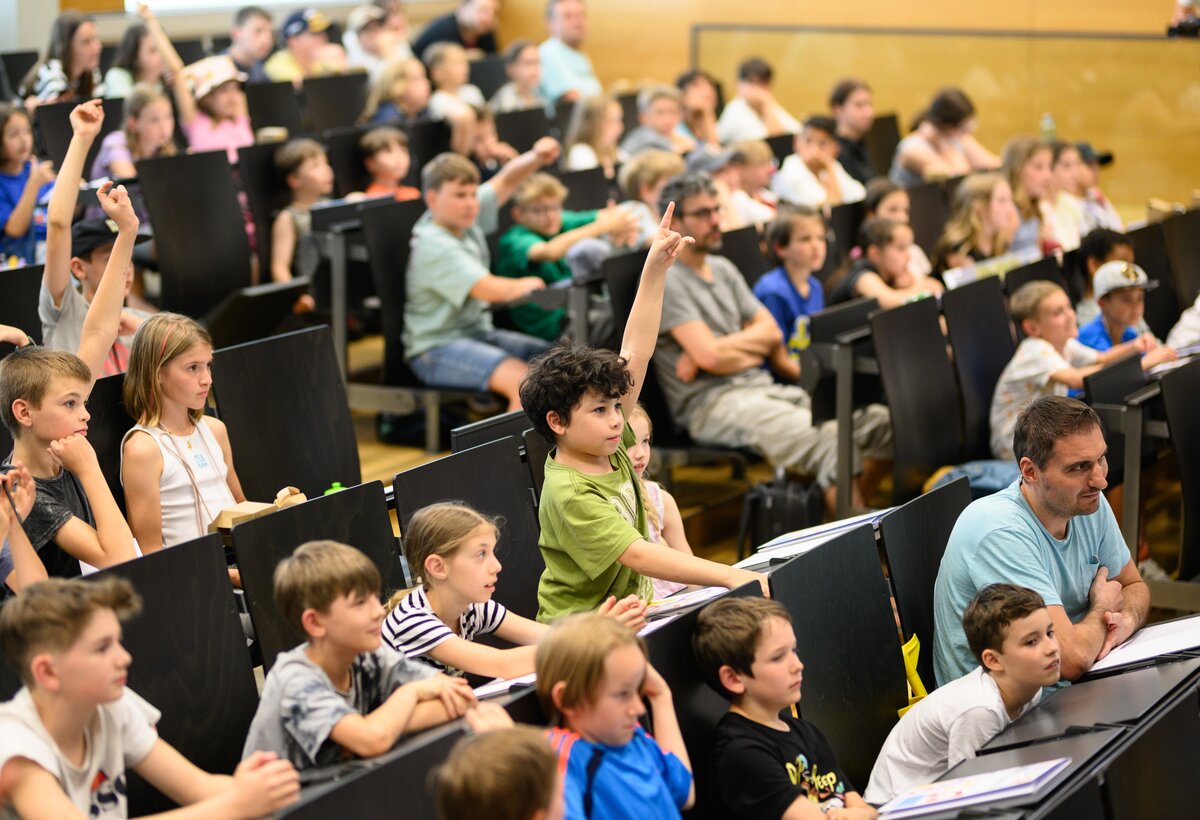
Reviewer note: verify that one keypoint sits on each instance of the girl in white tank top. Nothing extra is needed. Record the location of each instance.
(176, 463)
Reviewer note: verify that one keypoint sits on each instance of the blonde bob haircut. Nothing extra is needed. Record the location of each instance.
(509, 774)
(160, 339)
(574, 651)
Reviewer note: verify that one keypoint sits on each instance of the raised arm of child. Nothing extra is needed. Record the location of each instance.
(27, 566)
(666, 724)
(86, 120)
(544, 152)
(641, 329)
(102, 323)
(171, 58)
(411, 707)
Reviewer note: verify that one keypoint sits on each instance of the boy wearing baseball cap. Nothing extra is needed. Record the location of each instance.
(307, 51)
(62, 307)
(1120, 289)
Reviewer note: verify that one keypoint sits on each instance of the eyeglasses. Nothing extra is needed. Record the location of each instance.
(542, 210)
(704, 213)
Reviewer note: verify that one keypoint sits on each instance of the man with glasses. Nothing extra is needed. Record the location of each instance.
(716, 338)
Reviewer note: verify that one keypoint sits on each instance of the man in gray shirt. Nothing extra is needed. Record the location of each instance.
(716, 337)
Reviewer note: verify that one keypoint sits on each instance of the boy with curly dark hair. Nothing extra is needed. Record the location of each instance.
(594, 537)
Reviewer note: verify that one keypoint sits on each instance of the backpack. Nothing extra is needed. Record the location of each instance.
(775, 507)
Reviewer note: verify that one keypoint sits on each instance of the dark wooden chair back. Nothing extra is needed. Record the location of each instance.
(311, 445)
(981, 334)
(492, 479)
(838, 598)
(200, 237)
(356, 516)
(914, 537)
(922, 394)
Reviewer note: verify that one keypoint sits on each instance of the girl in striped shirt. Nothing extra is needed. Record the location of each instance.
(451, 551)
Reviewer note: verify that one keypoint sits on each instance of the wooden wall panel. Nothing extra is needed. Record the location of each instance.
(1128, 96)
(1127, 90)
(94, 6)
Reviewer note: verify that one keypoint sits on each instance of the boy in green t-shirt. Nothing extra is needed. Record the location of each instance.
(555, 244)
(594, 538)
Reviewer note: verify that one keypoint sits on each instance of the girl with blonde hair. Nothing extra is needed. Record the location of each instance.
(593, 136)
(662, 513)
(1027, 163)
(982, 224)
(451, 552)
(176, 462)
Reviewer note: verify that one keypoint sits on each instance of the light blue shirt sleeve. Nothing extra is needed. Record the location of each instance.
(566, 69)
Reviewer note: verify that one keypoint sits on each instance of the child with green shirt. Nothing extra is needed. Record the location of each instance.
(594, 538)
(555, 244)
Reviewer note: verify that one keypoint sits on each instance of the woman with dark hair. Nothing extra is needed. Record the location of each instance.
(144, 56)
(71, 68)
(941, 144)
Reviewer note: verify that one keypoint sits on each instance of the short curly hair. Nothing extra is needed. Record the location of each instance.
(557, 381)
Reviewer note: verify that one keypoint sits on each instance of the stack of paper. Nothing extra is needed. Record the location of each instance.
(947, 795)
(799, 542)
(1152, 641)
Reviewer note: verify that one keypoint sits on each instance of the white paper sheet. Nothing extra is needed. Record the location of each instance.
(1152, 641)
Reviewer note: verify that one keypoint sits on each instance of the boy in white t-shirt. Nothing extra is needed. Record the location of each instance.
(1010, 632)
(812, 175)
(1050, 361)
(70, 733)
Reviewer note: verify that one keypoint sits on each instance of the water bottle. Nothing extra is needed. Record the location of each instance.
(1049, 127)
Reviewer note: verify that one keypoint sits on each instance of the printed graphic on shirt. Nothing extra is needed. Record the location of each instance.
(822, 788)
(799, 339)
(626, 503)
(107, 795)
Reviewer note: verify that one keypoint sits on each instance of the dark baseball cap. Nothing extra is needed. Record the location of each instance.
(1091, 156)
(89, 234)
(302, 20)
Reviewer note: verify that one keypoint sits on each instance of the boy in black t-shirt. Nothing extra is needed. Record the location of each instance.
(766, 762)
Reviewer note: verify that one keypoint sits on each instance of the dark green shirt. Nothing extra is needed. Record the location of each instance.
(512, 260)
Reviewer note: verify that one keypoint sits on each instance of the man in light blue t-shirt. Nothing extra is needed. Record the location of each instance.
(567, 72)
(1052, 531)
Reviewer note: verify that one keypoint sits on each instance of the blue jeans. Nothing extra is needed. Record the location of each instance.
(469, 363)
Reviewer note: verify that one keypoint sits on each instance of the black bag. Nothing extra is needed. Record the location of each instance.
(773, 508)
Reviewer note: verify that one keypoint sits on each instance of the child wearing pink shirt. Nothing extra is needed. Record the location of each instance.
(212, 107)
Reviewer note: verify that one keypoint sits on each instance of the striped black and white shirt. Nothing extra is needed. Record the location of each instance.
(414, 629)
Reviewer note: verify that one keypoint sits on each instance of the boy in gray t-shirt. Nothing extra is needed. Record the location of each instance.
(341, 693)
